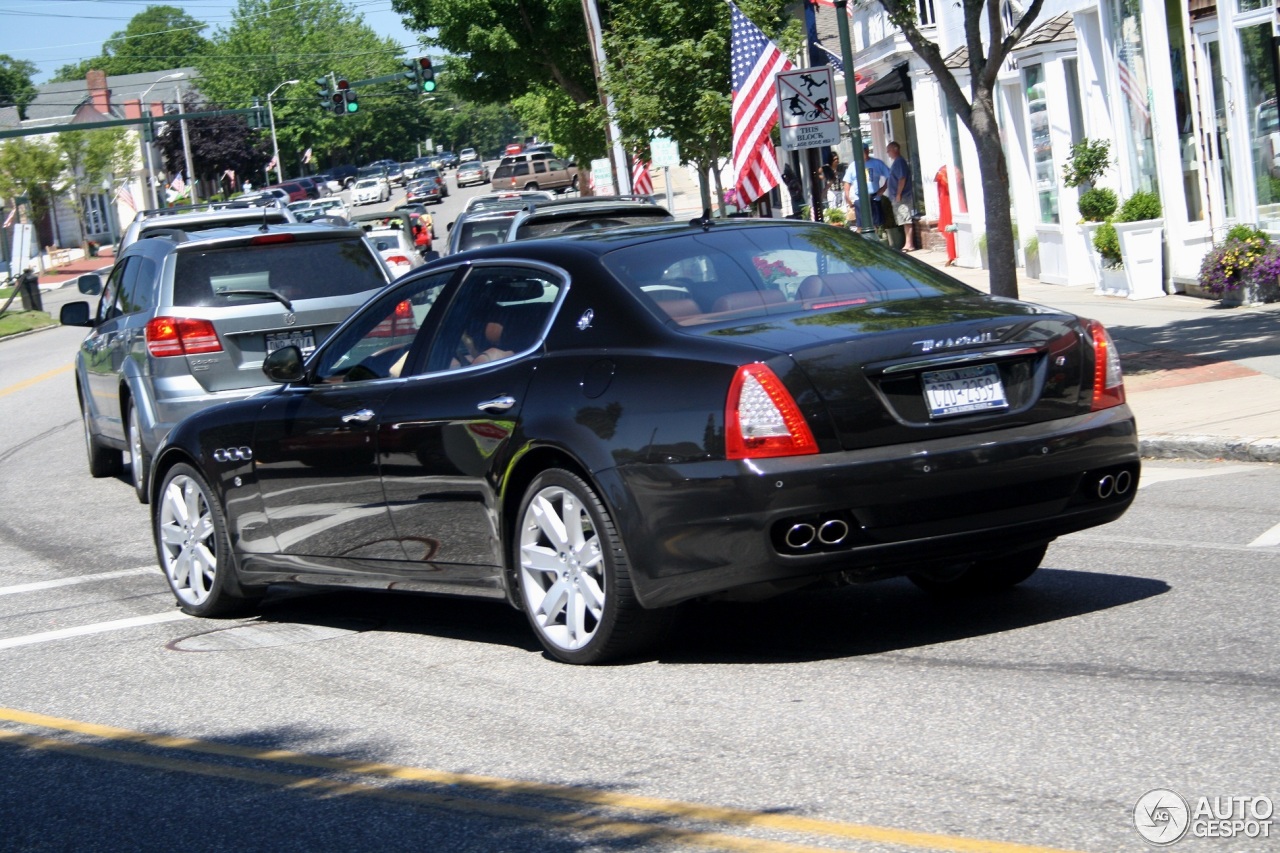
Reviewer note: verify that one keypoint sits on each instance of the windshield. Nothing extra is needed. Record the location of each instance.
(707, 277)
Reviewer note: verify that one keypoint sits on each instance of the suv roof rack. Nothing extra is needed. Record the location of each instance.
(535, 204)
(234, 204)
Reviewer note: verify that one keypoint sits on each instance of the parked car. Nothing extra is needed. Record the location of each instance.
(294, 190)
(328, 184)
(576, 215)
(658, 420)
(472, 172)
(535, 172)
(185, 320)
(314, 190)
(344, 174)
(466, 155)
(370, 191)
(509, 200)
(255, 209)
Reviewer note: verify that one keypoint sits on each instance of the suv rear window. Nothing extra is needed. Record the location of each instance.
(311, 269)
(595, 220)
(502, 171)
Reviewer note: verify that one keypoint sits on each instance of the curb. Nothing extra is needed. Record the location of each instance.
(1211, 447)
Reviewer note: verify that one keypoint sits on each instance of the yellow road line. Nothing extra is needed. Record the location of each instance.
(35, 380)
(587, 796)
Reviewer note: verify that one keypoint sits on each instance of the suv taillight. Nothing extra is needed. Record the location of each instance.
(1108, 379)
(761, 418)
(168, 336)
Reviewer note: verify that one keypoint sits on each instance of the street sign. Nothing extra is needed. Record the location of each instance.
(806, 108)
(664, 152)
(602, 176)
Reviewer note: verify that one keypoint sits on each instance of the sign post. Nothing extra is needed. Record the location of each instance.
(665, 153)
(806, 108)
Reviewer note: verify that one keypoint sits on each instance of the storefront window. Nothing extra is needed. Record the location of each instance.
(1046, 176)
(1135, 101)
(1251, 5)
(1264, 122)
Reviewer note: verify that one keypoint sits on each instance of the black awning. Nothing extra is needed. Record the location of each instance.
(887, 93)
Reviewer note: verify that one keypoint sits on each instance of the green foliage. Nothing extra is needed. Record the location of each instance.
(1096, 204)
(1247, 233)
(834, 216)
(1032, 248)
(1107, 242)
(1089, 160)
(157, 38)
(16, 89)
(30, 168)
(91, 158)
(1140, 206)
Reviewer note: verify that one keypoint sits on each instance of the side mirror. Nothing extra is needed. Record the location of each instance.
(284, 365)
(89, 284)
(75, 314)
(449, 227)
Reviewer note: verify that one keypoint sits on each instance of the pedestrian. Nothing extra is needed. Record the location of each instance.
(877, 182)
(943, 181)
(29, 287)
(901, 194)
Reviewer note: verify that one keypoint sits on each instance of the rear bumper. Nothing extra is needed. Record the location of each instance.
(701, 528)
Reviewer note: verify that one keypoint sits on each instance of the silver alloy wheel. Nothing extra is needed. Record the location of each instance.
(188, 540)
(562, 568)
(135, 448)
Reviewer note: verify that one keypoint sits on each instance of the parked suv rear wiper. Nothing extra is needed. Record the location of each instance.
(269, 294)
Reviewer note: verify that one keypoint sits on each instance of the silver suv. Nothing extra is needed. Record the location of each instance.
(250, 210)
(184, 321)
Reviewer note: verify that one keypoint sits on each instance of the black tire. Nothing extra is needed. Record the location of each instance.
(185, 544)
(618, 626)
(103, 461)
(140, 461)
(984, 575)
(531, 186)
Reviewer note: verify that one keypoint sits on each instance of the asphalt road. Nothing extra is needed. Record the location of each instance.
(1145, 655)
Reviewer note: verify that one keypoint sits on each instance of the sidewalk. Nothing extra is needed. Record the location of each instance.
(1203, 381)
(55, 277)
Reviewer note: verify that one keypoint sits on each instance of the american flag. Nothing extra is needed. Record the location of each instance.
(755, 61)
(641, 183)
(1132, 89)
(125, 196)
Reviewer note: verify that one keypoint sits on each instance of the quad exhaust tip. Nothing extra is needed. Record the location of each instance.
(800, 536)
(1115, 485)
(833, 532)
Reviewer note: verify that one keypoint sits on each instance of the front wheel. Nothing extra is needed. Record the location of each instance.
(192, 544)
(575, 583)
(140, 462)
(984, 575)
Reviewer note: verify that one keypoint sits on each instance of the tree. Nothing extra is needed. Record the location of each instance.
(157, 38)
(16, 89)
(217, 144)
(29, 167)
(92, 158)
(978, 112)
(669, 73)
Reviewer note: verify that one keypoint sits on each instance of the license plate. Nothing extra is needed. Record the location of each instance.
(303, 339)
(964, 389)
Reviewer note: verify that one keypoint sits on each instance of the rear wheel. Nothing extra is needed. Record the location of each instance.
(983, 575)
(575, 583)
(139, 462)
(532, 185)
(103, 461)
(192, 543)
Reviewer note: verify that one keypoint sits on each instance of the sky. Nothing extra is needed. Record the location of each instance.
(53, 33)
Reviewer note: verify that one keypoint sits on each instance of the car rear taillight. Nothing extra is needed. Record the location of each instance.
(404, 308)
(397, 259)
(762, 419)
(167, 336)
(1108, 378)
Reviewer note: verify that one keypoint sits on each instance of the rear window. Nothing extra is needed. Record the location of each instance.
(703, 278)
(312, 269)
(483, 232)
(599, 220)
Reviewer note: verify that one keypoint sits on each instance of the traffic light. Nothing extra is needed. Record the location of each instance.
(344, 100)
(427, 74)
(326, 96)
(412, 75)
(255, 118)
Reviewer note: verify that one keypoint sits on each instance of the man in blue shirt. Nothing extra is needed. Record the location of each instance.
(900, 193)
(877, 184)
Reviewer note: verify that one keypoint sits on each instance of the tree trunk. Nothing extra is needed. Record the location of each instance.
(1002, 254)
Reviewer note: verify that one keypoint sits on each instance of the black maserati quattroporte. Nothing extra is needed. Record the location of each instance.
(601, 426)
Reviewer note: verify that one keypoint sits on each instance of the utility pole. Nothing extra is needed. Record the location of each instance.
(186, 147)
(613, 135)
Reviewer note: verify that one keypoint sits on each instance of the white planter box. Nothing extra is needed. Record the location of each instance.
(1112, 281)
(1088, 229)
(1142, 250)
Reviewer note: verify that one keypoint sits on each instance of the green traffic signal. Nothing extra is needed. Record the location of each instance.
(353, 106)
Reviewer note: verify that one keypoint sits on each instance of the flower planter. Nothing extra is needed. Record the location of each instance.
(1142, 250)
(1088, 229)
(1112, 281)
(1251, 294)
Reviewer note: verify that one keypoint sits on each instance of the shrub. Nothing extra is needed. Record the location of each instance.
(1032, 247)
(1097, 204)
(1139, 206)
(1247, 232)
(1089, 160)
(1107, 242)
(833, 216)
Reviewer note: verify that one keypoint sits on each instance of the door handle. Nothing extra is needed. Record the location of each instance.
(500, 404)
(361, 416)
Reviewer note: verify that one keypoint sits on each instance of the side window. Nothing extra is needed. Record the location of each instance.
(378, 346)
(540, 166)
(497, 313)
(138, 288)
(521, 169)
(107, 303)
(557, 165)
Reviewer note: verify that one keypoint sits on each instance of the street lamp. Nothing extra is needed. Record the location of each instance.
(271, 114)
(151, 167)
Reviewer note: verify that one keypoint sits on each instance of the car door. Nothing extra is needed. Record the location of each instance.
(315, 444)
(103, 355)
(445, 435)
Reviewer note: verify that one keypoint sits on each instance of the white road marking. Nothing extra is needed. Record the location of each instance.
(1152, 475)
(39, 585)
(96, 628)
(1267, 540)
